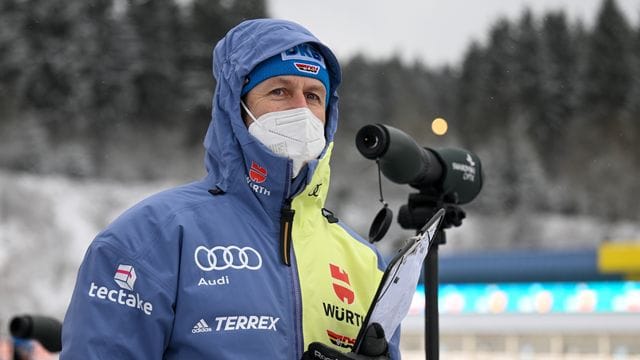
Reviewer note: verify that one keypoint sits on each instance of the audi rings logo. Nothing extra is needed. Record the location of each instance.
(230, 257)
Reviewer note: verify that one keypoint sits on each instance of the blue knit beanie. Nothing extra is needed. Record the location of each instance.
(300, 60)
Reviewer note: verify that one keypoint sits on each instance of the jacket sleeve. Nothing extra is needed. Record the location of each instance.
(120, 308)
(394, 346)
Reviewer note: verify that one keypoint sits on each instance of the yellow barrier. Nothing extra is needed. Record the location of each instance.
(620, 257)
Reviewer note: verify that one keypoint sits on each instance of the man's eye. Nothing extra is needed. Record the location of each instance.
(277, 92)
(312, 96)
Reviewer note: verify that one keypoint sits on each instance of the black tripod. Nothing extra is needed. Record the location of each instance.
(420, 208)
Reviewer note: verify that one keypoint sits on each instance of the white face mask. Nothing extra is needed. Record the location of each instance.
(297, 134)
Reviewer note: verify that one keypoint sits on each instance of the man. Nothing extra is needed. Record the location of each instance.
(245, 263)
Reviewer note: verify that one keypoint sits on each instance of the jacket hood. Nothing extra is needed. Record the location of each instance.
(230, 149)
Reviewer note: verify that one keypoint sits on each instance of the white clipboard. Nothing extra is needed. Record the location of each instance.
(393, 297)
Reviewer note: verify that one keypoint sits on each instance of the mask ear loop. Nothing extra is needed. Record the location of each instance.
(382, 221)
(244, 106)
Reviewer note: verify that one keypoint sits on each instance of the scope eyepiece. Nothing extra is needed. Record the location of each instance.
(372, 141)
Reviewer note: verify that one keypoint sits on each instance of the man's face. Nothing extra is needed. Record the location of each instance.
(286, 92)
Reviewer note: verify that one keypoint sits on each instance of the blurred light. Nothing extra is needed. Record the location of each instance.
(536, 297)
(439, 126)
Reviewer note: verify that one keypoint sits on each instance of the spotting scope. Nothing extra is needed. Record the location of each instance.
(455, 173)
(46, 330)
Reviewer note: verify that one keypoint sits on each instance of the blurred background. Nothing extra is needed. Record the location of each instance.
(104, 102)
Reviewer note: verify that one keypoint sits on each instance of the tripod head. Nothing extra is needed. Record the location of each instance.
(422, 206)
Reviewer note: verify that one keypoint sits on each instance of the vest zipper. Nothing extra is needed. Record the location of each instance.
(286, 223)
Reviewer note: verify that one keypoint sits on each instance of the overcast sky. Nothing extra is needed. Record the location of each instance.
(435, 32)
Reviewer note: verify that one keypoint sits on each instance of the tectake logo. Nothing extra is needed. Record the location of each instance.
(125, 276)
(341, 284)
(257, 173)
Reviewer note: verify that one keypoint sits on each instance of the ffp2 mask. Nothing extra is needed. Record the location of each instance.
(296, 134)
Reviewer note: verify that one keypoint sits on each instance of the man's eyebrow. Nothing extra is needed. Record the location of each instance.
(317, 87)
(287, 81)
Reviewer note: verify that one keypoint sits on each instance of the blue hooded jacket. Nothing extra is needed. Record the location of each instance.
(242, 264)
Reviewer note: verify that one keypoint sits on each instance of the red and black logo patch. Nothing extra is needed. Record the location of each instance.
(257, 173)
(341, 340)
(307, 68)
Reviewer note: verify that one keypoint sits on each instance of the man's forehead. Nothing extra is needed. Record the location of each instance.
(291, 80)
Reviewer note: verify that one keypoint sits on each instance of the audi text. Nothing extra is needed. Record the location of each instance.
(224, 280)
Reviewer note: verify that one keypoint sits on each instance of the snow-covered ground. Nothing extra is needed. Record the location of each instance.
(46, 224)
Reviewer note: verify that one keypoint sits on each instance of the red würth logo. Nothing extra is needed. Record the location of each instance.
(341, 284)
(257, 173)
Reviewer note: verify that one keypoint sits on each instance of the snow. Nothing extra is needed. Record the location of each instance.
(46, 224)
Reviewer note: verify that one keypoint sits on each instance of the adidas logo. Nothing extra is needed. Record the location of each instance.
(201, 327)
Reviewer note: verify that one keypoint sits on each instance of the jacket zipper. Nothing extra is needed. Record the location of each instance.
(286, 250)
(286, 223)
